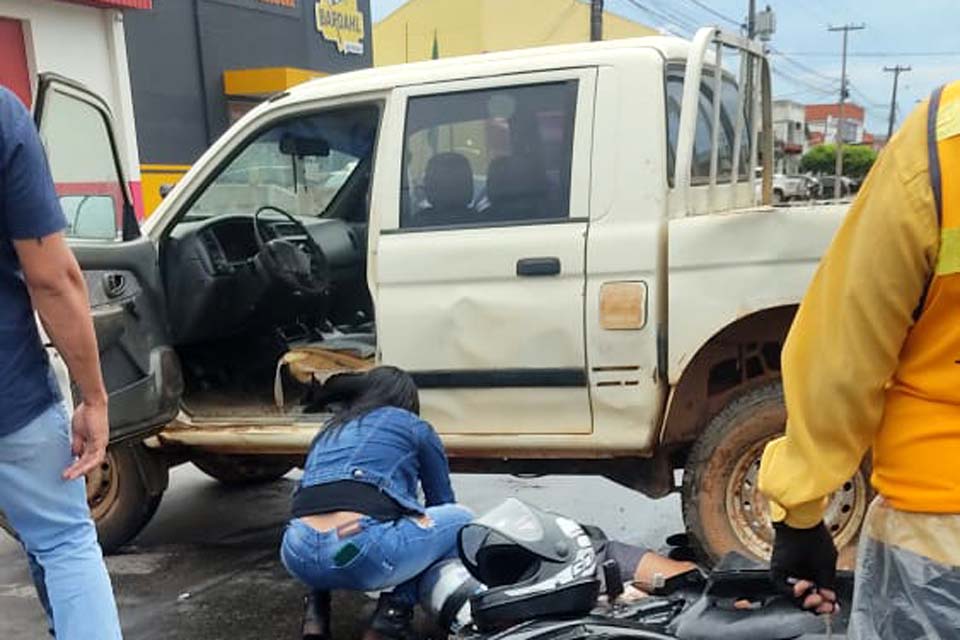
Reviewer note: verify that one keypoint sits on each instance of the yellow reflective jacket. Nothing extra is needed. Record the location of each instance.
(859, 370)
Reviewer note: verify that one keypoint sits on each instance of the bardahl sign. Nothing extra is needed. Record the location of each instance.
(341, 21)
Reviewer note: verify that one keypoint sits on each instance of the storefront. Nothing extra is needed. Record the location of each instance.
(198, 65)
(84, 41)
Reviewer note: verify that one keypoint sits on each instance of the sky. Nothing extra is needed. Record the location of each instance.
(921, 34)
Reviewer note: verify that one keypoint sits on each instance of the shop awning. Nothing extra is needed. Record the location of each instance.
(116, 4)
(265, 80)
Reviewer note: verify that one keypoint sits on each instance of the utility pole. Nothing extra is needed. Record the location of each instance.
(847, 28)
(596, 20)
(752, 19)
(896, 71)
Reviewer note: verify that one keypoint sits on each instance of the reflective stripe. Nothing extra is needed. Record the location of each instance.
(948, 262)
(948, 121)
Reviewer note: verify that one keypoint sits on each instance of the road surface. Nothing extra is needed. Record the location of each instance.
(206, 567)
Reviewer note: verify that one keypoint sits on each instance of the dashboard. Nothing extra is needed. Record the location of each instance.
(229, 241)
(214, 287)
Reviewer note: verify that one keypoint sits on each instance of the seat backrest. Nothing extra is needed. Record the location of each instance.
(448, 186)
(517, 188)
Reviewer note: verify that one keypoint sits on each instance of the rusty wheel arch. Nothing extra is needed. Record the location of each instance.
(741, 356)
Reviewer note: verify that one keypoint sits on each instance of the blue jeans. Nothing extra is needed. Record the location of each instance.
(381, 556)
(53, 522)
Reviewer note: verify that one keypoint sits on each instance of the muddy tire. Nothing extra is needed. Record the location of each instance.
(242, 471)
(722, 508)
(119, 500)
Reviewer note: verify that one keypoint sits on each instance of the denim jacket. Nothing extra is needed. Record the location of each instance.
(390, 448)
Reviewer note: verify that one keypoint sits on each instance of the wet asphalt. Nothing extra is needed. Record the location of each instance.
(206, 567)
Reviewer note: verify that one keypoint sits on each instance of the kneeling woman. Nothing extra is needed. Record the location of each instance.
(357, 523)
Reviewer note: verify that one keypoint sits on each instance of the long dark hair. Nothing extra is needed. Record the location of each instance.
(362, 393)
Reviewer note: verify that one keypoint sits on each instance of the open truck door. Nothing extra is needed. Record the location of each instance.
(140, 369)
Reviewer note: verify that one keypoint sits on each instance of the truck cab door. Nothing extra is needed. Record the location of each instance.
(141, 370)
(480, 262)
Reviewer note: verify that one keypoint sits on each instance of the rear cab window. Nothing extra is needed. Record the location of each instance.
(703, 139)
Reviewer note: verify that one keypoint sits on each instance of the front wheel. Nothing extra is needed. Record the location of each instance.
(120, 502)
(723, 508)
(119, 499)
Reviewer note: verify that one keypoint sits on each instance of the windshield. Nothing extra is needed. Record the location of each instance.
(299, 165)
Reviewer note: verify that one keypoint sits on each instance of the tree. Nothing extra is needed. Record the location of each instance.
(857, 160)
(819, 159)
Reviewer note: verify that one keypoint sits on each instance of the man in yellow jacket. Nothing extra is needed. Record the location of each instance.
(873, 362)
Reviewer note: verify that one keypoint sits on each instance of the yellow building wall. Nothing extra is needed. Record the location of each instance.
(465, 27)
(154, 176)
(406, 35)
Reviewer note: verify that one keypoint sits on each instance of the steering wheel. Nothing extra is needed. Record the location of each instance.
(302, 268)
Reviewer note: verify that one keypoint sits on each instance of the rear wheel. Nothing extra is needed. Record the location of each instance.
(723, 508)
(243, 470)
(120, 502)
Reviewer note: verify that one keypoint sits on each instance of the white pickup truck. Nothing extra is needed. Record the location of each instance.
(562, 245)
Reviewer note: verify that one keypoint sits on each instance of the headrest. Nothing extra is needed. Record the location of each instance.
(510, 178)
(448, 181)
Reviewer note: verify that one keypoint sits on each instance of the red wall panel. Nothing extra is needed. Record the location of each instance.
(14, 73)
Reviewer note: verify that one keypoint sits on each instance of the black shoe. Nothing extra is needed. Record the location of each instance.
(316, 616)
(392, 620)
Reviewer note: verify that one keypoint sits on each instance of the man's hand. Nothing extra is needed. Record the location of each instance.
(804, 565)
(91, 432)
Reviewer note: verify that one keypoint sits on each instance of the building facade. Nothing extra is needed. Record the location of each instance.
(198, 65)
(789, 135)
(84, 41)
(823, 122)
(425, 29)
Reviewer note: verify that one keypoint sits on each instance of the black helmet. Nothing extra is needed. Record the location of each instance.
(535, 564)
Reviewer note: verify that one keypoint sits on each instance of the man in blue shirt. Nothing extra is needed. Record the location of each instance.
(43, 457)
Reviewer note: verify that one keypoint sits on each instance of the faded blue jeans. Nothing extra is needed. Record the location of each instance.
(52, 519)
(381, 556)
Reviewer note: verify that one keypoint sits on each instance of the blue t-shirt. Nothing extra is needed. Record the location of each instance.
(29, 208)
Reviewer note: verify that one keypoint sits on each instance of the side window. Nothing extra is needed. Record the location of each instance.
(83, 165)
(488, 157)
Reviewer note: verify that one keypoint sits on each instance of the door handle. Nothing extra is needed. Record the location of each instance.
(114, 284)
(536, 267)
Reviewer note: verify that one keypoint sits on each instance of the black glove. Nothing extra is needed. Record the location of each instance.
(804, 554)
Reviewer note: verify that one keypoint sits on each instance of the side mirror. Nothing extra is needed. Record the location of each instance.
(92, 217)
(165, 189)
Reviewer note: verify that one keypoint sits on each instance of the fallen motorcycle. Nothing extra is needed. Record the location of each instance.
(525, 574)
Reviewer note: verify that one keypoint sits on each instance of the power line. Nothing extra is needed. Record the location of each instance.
(678, 17)
(716, 14)
(867, 100)
(660, 16)
(786, 58)
(876, 54)
(800, 82)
